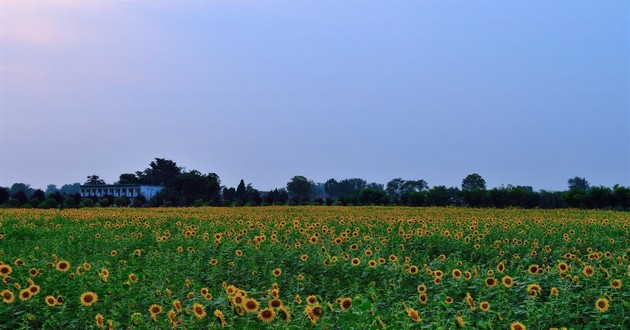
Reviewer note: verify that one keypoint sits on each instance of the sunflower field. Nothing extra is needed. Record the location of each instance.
(314, 267)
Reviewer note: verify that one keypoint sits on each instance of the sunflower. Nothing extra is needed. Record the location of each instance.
(308, 310)
(501, 267)
(448, 300)
(33, 272)
(470, 301)
(345, 303)
(204, 291)
(63, 266)
(413, 315)
(304, 257)
(154, 310)
(100, 321)
(484, 306)
(424, 298)
(372, 263)
(199, 310)
(421, 288)
(507, 281)
(178, 305)
(602, 304)
(275, 303)
(284, 314)
(533, 269)
(356, 261)
(615, 284)
(277, 272)
(457, 274)
(50, 301)
(563, 267)
(25, 295)
(460, 322)
(219, 315)
(132, 278)
(88, 298)
(588, 271)
(491, 282)
(266, 315)
(251, 305)
(172, 317)
(60, 300)
(7, 296)
(34, 288)
(213, 261)
(413, 269)
(554, 291)
(517, 326)
(311, 300)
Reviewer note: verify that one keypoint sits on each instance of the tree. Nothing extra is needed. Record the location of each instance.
(413, 185)
(578, 183)
(51, 188)
(4, 195)
(128, 178)
(160, 172)
(473, 181)
(373, 195)
(94, 180)
(241, 192)
(393, 189)
(300, 188)
(23, 187)
(68, 189)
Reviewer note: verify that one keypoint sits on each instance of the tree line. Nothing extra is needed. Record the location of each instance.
(193, 188)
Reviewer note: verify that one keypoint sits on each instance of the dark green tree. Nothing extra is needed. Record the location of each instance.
(160, 172)
(128, 178)
(241, 192)
(300, 188)
(94, 180)
(473, 181)
(578, 183)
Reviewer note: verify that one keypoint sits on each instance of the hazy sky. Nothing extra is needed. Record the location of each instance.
(521, 92)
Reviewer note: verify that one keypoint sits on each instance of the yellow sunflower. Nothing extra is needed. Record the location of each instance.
(88, 298)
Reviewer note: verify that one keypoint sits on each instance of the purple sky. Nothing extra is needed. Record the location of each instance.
(524, 93)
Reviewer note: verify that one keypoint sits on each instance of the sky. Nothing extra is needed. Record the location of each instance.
(523, 93)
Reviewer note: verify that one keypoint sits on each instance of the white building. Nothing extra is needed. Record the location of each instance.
(120, 190)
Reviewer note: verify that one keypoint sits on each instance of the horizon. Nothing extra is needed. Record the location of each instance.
(528, 94)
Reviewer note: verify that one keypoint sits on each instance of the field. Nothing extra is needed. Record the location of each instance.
(314, 267)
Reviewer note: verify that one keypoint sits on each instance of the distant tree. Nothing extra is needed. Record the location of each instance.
(600, 197)
(300, 188)
(87, 202)
(4, 195)
(23, 187)
(37, 197)
(128, 178)
(578, 183)
(94, 180)
(438, 196)
(330, 187)
(121, 201)
(20, 196)
(373, 195)
(393, 189)
(69, 202)
(621, 196)
(551, 200)
(412, 198)
(160, 172)
(473, 181)
(51, 188)
(241, 192)
(413, 185)
(68, 189)
(49, 203)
